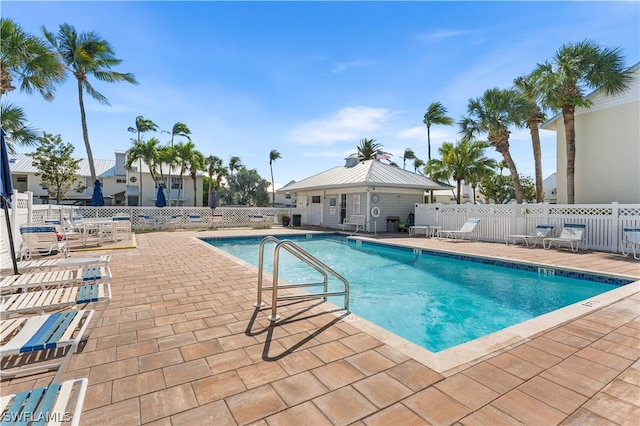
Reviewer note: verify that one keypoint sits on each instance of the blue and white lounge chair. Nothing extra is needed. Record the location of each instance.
(541, 232)
(37, 334)
(55, 404)
(468, 227)
(572, 234)
(41, 239)
(630, 242)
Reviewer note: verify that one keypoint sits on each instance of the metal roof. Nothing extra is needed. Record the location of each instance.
(370, 172)
(22, 163)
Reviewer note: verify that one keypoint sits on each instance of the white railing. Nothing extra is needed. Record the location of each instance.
(604, 222)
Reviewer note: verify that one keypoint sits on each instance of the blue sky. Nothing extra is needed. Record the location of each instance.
(310, 79)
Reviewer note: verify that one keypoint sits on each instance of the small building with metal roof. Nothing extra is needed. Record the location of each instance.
(382, 192)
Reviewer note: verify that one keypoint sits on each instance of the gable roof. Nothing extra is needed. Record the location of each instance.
(22, 163)
(370, 172)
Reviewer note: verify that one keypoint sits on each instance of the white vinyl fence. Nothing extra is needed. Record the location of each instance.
(604, 222)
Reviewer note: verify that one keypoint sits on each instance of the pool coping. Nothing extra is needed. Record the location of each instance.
(478, 349)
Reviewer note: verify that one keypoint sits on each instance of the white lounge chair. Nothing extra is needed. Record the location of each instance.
(31, 336)
(466, 229)
(630, 242)
(41, 239)
(55, 404)
(541, 232)
(572, 234)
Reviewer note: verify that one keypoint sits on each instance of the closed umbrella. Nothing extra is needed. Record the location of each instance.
(97, 199)
(213, 199)
(6, 191)
(161, 201)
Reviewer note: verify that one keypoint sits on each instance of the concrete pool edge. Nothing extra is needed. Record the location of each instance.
(476, 350)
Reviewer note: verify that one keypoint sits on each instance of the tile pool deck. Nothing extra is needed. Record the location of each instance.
(181, 343)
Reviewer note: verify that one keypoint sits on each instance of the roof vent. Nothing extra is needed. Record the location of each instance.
(351, 161)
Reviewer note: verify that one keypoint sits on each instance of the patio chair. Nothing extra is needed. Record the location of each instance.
(535, 237)
(41, 239)
(630, 242)
(217, 221)
(466, 229)
(27, 340)
(122, 226)
(572, 235)
(54, 404)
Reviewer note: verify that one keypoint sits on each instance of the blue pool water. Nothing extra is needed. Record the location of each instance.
(433, 299)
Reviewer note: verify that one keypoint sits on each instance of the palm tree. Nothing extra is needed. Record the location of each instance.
(367, 149)
(214, 167)
(417, 164)
(464, 161)
(561, 85)
(525, 85)
(195, 164)
(235, 164)
(408, 155)
(143, 125)
(147, 152)
(436, 114)
(17, 131)
(178, 129)
(85, 55)
(492, 114)
(273, 156)
(27, 61)
(189, 159)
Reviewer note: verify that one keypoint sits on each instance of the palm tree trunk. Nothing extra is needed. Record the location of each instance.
(537, 159)
(515, 178)
(140, 184)
(273, 188)
(459, 185)
(570, 141)
(85, 133)
(195, 192)
(428, 143)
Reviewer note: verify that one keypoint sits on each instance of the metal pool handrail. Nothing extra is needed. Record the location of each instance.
(308, 259)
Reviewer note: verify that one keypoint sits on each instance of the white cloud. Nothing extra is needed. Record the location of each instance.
(437, 36)
(343, 66)
(347, 124)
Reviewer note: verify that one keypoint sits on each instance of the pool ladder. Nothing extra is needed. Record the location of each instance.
(305, 257)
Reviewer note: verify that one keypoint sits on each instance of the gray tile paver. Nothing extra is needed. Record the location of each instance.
(175, 347)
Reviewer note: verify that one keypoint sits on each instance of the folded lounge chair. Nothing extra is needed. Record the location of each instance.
(26, 340)
(466, 229)
(55, 404)
(572, 234)
(541, 232)
(630, 242)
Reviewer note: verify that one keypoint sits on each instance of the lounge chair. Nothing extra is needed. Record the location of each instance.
(25, 340)
(466, 229)
(541, 232)
(630, 242)
(55, 404)
(196, 221)
(572, 234)
(41, 239)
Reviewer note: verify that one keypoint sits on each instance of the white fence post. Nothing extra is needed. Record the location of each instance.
(615, 228)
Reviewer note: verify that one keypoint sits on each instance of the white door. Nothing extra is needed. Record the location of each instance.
(316, 210)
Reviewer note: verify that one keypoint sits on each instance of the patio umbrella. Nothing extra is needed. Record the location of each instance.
(97, 199)
(213, 199)
(6, 191)
(161, 201)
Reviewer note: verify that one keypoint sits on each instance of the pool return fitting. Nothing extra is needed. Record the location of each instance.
(308, 259)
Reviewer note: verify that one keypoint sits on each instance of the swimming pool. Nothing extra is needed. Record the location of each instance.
(436, 300)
